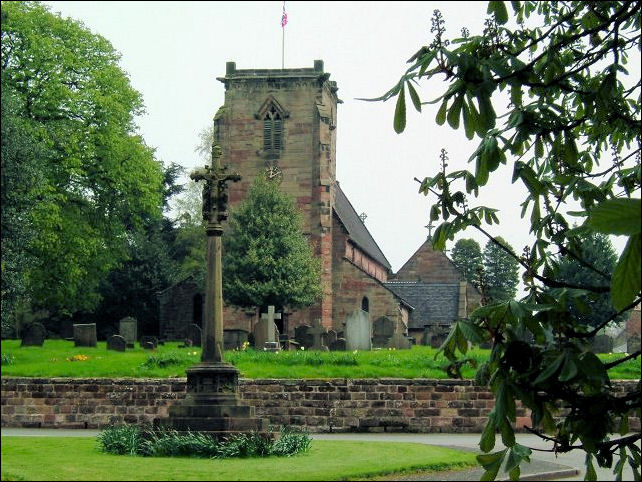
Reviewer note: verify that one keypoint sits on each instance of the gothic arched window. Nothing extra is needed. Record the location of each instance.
(272, 131)
(365, 304)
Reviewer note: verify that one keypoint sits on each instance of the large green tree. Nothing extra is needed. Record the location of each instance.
(596, 259)
(467, 257)
(500, 270)
(571, 133)
(97, 181)
(266, 258)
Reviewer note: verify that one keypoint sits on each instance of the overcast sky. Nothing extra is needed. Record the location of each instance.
(173, 52)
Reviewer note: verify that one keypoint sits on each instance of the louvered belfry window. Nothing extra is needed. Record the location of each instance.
(272, 132)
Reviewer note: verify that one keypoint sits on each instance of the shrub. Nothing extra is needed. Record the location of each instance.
(8, 359)
(121, 440)
(162, 360)
(251, 444)
(291, 442)
(168, 443)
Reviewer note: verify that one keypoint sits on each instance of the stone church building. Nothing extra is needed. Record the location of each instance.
(282, 123)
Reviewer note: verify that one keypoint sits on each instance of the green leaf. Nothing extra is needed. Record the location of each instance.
(616, 216)
(414, 96)
(492, 463)
(400, 112)
(487, 441)
(625, 283)
(469, 125)
(441, 113)
(550, 370)
(569, 370)
(590, 470)
(454, 111)
(499, 9)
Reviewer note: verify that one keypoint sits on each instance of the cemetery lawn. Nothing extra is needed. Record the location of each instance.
(78, 458)
(59, 358)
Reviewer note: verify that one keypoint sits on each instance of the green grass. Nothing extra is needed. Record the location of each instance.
(78, 458)
(52, 360)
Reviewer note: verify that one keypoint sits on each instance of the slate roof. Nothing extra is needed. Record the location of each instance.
(356, 229)
(434, 303)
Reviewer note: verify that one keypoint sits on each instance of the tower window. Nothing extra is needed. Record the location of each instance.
(272, 131)
(365, 304)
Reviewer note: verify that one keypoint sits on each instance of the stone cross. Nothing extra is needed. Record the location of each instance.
(215, 197)
(429, 227)
(317, 330)
(269, 317)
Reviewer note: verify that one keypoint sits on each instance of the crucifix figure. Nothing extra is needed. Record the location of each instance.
(215, 197)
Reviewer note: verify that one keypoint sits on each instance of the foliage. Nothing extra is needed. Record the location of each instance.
(571, 131)
(95, 182)
(8, 359)
(467, 257)
(597, 252)
(162, 360)
(500, 270)
(161, 442)
(266, 258)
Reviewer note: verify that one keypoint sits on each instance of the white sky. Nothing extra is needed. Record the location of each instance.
(173, 52)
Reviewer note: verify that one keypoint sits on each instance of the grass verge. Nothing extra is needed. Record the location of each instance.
(78, 458)
(59, 358)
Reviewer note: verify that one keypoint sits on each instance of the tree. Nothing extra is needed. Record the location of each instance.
(501, 271)
(467, 257)
(572, 134)
(97, 181)
(599, 258)
(266, 258)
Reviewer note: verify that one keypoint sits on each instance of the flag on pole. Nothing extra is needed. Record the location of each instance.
(284, 17)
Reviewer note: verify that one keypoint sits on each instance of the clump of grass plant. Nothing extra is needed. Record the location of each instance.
(8, 359)
(149, 442)
(163, 360)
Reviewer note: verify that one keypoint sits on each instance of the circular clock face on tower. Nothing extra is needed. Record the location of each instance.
(273, 173)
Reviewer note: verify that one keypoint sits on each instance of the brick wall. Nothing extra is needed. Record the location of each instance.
(337, 405)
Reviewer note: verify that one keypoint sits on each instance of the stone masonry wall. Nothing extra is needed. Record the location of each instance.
(336, 405)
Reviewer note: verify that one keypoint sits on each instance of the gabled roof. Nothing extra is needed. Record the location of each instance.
(434, 303)
(357, 231)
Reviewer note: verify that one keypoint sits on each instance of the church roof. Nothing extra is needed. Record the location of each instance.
(357, 231)
(434, 303)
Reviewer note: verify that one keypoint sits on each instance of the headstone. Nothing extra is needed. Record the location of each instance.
(194, 334)
(398, 341)
(128, 329)
(302, 337)
(265, 330)
(116, 342)
(33, 334)
(602, 343)
(382, 330)
(85, 334)
(331, 337)
(234, 339)
(317, 331)
(272, 346)
(338, 345)
(633, 343)
(435, 335)
(147, 345)
(358, 331)
(144, 340)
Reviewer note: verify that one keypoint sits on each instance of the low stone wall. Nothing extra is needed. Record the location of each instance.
(337, 405)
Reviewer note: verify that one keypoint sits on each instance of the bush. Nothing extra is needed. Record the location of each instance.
(162, 360)
(132, 440)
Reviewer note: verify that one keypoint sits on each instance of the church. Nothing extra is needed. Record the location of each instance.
(283, 124)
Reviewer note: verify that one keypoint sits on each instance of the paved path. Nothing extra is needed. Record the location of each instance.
(543, 466)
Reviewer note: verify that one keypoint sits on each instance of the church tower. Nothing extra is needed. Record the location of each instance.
(281, 123)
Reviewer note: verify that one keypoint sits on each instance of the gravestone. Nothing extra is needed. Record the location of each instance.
(331, 337)
(318, 331)
(358, 331)
(265, 330)
(194, 334)
(338, 345)
(633, 343)
(383, 329)
(602, 343)
(234, 339)
(302, 337)
(85, 334)
(148, 342)
(128, 329)
(435, 335)
(33, 334)
(116, 342)
(287, 343)
(398, 341)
